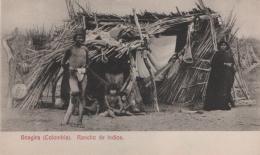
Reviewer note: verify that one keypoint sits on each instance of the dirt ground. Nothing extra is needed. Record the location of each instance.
(241, 118)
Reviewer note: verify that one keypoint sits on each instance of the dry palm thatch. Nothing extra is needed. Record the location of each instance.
(46, 63)
(187, 85)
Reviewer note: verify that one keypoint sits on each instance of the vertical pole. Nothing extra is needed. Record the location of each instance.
(144, 55)
(12, 68)
(238, 53)
(212, 26)
(84, 22)
(153, 84)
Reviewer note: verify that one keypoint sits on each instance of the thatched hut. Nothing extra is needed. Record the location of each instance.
(147, 55)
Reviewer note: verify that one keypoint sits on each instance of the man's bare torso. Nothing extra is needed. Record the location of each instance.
(78, 57)
(113, 101)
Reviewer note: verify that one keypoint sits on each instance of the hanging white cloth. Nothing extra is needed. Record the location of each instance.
(162, 50)
(141, 68)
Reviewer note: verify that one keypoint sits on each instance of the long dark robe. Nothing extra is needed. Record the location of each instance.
(220, 83)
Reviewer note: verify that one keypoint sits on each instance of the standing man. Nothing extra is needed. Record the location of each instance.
(76, 58)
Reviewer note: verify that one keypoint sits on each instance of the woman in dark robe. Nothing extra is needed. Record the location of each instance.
(221, 79)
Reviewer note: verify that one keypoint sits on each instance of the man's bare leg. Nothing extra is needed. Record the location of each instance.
(74, 97)
(82, 103)
(80, 118)
(68, 113)
(129, 113)
(111, 114)
(97, 110)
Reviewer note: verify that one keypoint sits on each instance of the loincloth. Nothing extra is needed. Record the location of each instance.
(76, 77)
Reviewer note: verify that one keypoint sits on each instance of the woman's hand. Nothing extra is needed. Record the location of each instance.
(228, 64)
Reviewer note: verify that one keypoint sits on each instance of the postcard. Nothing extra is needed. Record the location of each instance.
(130, 77)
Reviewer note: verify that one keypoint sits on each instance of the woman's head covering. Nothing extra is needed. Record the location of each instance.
(223, 42)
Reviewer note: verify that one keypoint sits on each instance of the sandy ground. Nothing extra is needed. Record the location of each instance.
(241, 118)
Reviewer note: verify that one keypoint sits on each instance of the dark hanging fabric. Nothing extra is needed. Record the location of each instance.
(221, 79)
(181, 38)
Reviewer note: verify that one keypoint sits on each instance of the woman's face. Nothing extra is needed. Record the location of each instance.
(223, 46)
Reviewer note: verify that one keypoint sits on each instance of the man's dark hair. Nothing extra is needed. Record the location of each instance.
(112, 87)
(81, 32)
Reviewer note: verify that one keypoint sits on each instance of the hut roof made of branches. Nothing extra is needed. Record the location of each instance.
(76, 12)
(102, 42)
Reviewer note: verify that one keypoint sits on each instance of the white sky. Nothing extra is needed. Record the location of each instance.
(27, 13)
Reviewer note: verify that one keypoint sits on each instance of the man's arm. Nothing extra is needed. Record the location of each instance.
(121, 106)
(106, 102)
(87, 57)
(65, 58)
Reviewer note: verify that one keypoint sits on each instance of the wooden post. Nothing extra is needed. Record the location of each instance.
(241, 87)
(153, 84)
(238, 53)
(138, 25)
(54, 86)
(144, 55)
(12, 68)
(212, 26)
(96, 21)
(178, 11)
(84, 22)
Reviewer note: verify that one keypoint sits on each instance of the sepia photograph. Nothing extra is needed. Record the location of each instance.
(130, 65)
